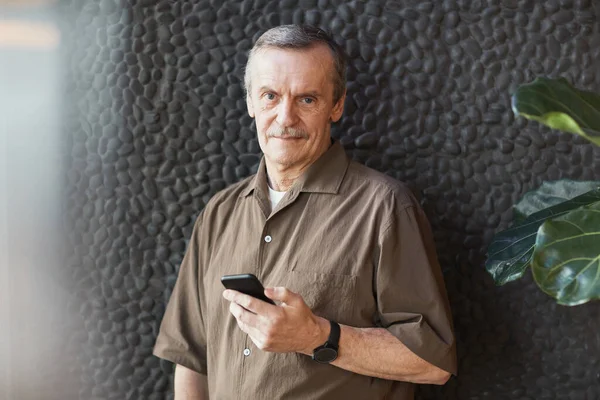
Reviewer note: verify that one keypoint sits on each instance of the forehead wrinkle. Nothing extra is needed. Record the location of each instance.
(282, 75)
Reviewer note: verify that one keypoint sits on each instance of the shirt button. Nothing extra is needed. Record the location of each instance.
(246, 352)
(268, 239)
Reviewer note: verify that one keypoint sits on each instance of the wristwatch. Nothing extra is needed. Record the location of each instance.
(329, 351)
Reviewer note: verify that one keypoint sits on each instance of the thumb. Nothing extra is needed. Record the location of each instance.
(282, 294)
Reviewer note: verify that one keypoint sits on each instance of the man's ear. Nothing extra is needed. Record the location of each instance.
(338, 109)
(249, 105)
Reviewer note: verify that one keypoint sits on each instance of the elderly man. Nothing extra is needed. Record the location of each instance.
(345, 252)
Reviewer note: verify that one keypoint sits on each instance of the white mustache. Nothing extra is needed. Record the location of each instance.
(287, 132)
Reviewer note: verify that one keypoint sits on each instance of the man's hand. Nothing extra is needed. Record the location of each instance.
(292, 327)
(288, 327)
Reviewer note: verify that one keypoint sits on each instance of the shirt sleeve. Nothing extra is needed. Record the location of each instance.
(411, 296)
(182, 338)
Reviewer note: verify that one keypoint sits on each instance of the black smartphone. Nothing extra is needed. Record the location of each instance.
(246, 283)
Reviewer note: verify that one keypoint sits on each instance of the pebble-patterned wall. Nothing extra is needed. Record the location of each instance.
(157, 124)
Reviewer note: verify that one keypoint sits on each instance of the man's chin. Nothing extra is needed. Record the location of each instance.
(283, 159)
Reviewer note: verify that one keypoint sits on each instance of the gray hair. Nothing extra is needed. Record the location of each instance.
(301, 37)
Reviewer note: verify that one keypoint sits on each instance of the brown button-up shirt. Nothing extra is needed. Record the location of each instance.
(353, 242)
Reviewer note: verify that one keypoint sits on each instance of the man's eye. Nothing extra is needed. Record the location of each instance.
(270, 96)
(308, 100)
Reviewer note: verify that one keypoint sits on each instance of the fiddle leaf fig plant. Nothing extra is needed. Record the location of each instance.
(550, 194)
(566, 259)
(556, 230)
(557, 104)
(512, 250)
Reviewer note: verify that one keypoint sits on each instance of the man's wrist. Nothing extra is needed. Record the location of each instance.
(321, 334)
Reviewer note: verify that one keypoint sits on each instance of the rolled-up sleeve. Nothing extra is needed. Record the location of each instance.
(182, 338)
(411, 296)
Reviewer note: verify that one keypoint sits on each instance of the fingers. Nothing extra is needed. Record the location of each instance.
(271, 328)
(284, 295)
(244, 316)
(247, 322)
(260, 336)
(248, 302)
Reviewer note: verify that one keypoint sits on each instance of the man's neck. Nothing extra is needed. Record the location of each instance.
(282, 177)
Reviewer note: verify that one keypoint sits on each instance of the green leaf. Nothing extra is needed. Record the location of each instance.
(550, 194)
(566, 260)
(511, 250)
(557, 104)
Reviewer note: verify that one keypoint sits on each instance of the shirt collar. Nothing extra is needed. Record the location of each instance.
(324, 176)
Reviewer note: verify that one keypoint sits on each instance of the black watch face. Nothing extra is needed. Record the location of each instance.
(325, 355)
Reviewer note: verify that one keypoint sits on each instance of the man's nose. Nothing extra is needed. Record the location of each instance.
(286, 114)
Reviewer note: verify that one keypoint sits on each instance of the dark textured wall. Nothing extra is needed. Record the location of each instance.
(156, 125)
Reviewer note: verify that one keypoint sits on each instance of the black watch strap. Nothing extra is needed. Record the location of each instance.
(328, 352)
(334, 335)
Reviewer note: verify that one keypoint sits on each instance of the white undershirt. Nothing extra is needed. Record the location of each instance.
(275, 197)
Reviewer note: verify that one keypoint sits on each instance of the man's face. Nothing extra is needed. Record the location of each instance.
(291, 98)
